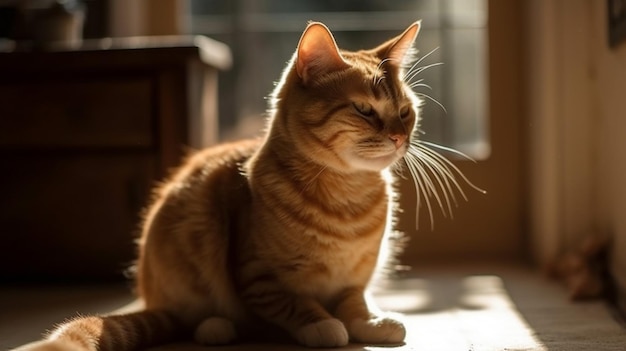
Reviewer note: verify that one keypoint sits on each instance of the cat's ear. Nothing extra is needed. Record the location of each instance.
(317, 52)
(398, 50)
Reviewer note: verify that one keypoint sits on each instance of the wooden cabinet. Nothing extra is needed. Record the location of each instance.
(74, 113)
(84, 136)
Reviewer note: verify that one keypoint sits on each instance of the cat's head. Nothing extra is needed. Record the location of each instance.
(347, 110)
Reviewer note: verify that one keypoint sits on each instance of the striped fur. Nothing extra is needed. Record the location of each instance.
(285, 231)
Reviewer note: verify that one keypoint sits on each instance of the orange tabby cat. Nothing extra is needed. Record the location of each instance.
(285, 231)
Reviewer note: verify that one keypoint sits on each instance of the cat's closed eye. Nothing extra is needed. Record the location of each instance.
(364, 109)
(405, 112)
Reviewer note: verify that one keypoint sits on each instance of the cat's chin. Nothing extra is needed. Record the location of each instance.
(375, 164)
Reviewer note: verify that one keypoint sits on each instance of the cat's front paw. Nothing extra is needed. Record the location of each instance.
(325, 333)
(380, 330)
(215, 331)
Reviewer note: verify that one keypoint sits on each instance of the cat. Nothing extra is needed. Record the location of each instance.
(285, 231)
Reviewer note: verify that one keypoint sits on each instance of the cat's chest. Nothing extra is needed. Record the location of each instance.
(328, 269)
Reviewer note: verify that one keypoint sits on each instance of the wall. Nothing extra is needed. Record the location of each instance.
(609, 115)
(576, 94)
(145, 17)
(559, 127)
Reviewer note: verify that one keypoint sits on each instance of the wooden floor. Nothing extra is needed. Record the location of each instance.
(469, 308)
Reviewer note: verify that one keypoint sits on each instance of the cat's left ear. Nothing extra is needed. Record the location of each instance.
(398, 50)
(317, 52)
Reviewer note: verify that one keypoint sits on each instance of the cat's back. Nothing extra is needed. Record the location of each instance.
(209, 184)
(211, 173)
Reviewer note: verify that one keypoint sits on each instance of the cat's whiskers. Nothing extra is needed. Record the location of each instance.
(445, 160)
(441, 175)
(415, 66)
(416, 175)
(424, 95)
(414, 71)
(434, 174)
(409, 77)
(433, 100)
(379, 73)
(419, 83)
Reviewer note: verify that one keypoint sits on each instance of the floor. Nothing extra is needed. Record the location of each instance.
(469, 308)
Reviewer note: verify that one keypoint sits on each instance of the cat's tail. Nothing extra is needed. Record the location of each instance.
(124, 332)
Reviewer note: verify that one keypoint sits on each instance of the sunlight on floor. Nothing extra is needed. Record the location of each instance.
(475, 313)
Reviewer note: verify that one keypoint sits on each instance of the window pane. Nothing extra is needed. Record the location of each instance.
(263, 36)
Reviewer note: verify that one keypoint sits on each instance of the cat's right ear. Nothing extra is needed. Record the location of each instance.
(398, 51)
(317, 53)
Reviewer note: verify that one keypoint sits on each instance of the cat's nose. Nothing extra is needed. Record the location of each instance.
(398, 139)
